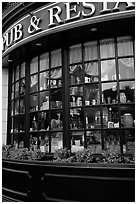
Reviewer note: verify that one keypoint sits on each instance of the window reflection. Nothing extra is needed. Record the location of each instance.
(91, 72)
(76, 74)
(56, 78)
(108, 70)
(126, 68)
(44, 100)
(44, 81)
(34, 83)
(22, 87)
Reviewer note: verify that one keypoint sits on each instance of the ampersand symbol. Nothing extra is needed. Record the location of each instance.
(34, 25)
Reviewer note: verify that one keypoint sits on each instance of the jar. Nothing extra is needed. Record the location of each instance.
(127, 120)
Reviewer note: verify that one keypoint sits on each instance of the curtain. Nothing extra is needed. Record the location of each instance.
(75, 53)
(22, 70)
(90, 51)
(56, 58)
(125, 46)
(44, 61)
(56, 74)
(107, 48)
(34, 65)
(126, 68)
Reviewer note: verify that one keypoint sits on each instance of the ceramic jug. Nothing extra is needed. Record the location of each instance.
(127, 120)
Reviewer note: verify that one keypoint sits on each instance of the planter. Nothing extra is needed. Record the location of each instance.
(44, 181)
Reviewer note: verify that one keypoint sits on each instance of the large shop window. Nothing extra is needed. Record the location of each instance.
(101, 92)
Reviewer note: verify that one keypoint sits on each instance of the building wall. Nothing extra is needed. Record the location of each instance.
(4, 104)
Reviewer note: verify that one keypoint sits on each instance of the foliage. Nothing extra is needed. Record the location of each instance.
(11, 152)
(87, 156)
(65, 155)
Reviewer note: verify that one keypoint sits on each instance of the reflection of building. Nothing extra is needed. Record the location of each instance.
(67, 66)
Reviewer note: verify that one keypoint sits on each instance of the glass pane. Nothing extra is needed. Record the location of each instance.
(34, 65)
(94, 141)
(126, 68)
(128, 141)
(56, 120)
(56, 58)
(33, 122)
(33, 141)
(12, 76)
(44, 142)
(22, 105)
(34, 83)
(12, 92)
(17, 73)
(127, 91)
(77, 141)
(91, 72)
(22, 87)
(90, 50)
(92, 96)
(44, 61)
(12, 124)
(125, 46)
(16, 106)
(93, 118)
(108, 70)
(17, 89)
(44, 100)
(76, 118)
(12, 108)
(76, 96)
(111, 116)
(75, 53)
(44, 120)
(56, 78)
(56, 141)
(107, 48)
(34, 102)
(112, 140)
(109, 93)
(76, 74)
(56, 99)
(44, 81)
(22, 74)
(22, 124)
